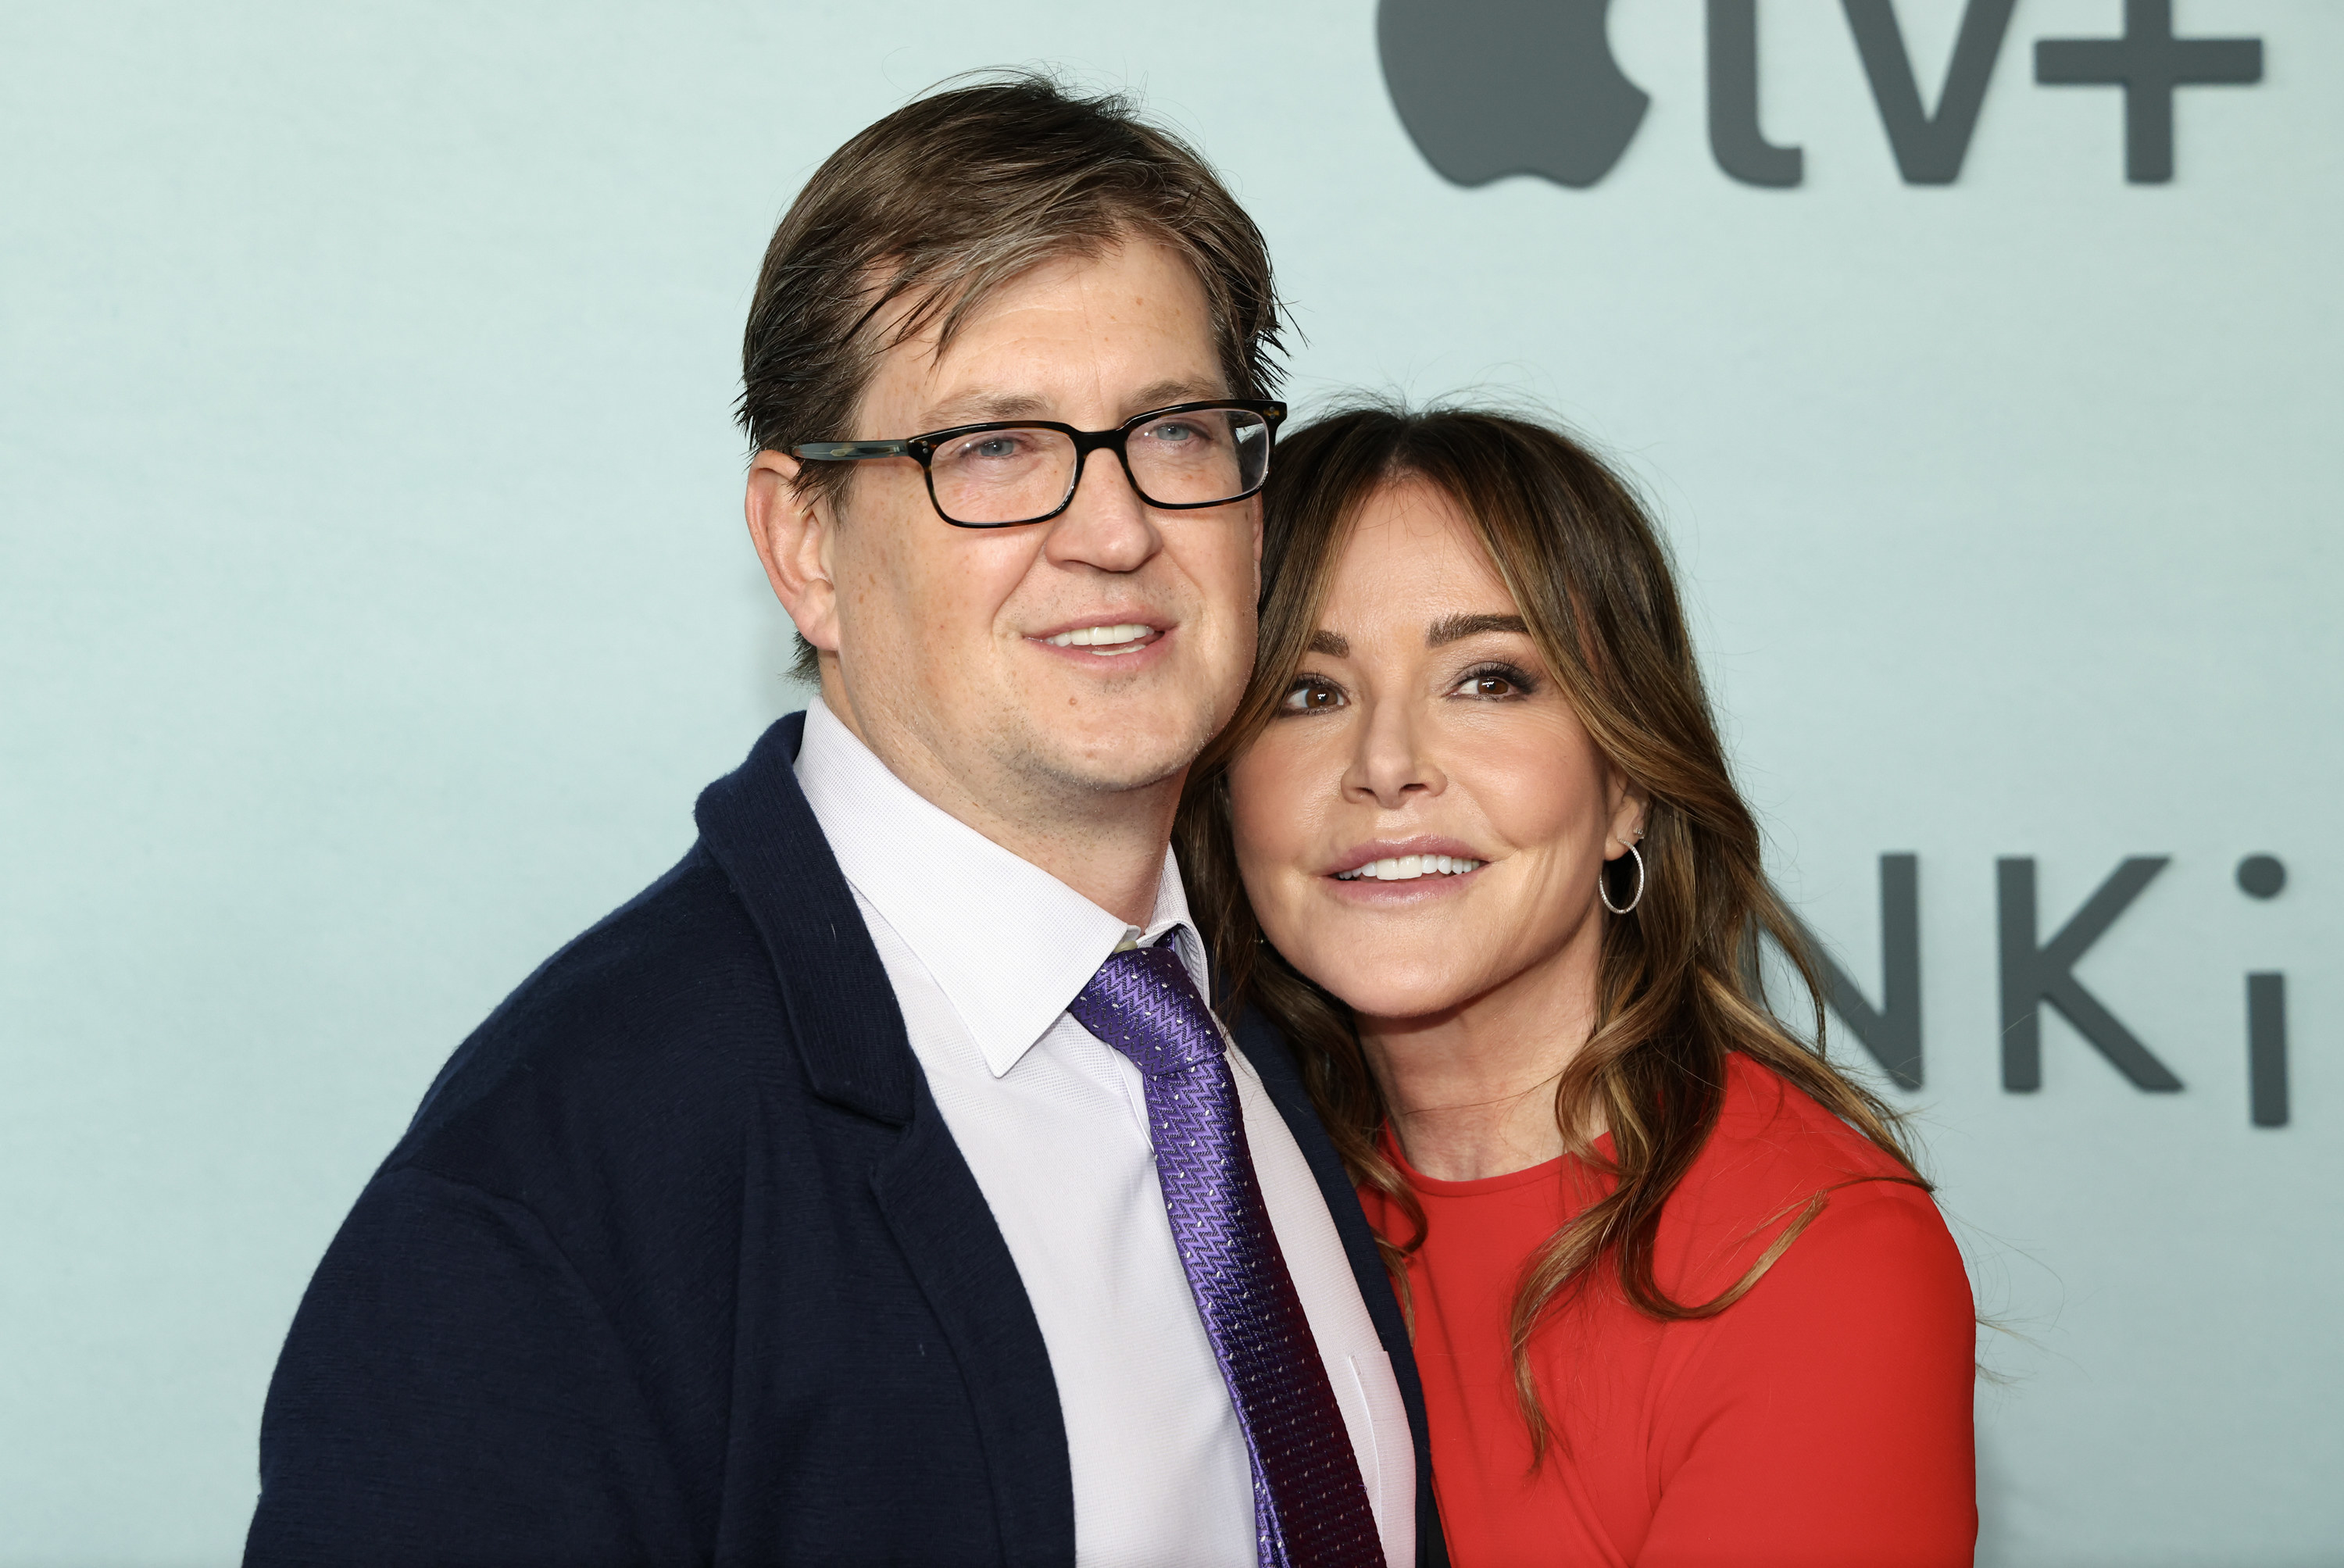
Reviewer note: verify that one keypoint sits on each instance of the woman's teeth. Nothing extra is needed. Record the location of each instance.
(1408, 868)
(1105, 641)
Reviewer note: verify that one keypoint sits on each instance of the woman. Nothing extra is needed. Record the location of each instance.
(1677, 1293)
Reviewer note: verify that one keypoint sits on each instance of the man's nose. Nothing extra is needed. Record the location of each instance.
(1106, 525)
(1391, 764)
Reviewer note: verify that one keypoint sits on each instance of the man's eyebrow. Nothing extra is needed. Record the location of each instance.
(1164, 394)
(985, 405)
(1332, 645)
(1458, 627)
(982, 405)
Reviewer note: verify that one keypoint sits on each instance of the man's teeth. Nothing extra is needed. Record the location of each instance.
(1105, 641)
(1408, 868)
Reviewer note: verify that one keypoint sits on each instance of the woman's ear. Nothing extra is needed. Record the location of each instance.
(791, 529)
(1629, 805)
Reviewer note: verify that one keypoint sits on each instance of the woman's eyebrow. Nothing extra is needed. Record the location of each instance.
(1332, 645)
(1460, 626)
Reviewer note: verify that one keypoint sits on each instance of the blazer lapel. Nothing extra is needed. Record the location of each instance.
(850, 1033)
(940, 1218)
(841, 1008)
(1267, 1049)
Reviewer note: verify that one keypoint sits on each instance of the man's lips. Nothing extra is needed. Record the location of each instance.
(1406, 859)
(1104, 638)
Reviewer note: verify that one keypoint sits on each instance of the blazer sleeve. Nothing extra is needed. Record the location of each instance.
(450, 1392)
(1827, 1423)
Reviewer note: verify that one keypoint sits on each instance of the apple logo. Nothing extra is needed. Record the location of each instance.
(1488, 89)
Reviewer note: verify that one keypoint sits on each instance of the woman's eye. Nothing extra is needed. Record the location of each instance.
(1490, 683)
(1310, 697)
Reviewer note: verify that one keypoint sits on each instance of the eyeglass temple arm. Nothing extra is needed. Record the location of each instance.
(850, 451)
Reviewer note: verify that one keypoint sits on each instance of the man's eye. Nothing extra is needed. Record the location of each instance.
(1310, 697)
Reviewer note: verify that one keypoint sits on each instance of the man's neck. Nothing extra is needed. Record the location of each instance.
(1107, 846)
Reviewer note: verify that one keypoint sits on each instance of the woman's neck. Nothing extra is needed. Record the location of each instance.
(1471, 1089)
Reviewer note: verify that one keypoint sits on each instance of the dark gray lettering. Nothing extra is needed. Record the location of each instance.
(2148, 62)
(2266, 1049)
(1892, 1031)
(1492, 88)
(2033, 974)
(2261, 876)
(1929, 148)
(1735, 139)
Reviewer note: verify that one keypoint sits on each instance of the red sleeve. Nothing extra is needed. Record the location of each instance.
(1827, 1421)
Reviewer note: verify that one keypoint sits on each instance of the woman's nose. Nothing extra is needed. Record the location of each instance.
(1390, 765)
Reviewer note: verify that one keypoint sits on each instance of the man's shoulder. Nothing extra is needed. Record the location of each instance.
(661, 1026)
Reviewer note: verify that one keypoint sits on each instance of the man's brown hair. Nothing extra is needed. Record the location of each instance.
(948, 198)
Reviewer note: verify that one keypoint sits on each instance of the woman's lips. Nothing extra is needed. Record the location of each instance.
(1374, 892)
(1385, 872)
(1409, 867)
(1406, 859)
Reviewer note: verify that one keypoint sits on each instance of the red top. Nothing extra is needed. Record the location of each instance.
(1821, 1420)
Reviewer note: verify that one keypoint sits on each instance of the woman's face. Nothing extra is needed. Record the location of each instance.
(1425, 819)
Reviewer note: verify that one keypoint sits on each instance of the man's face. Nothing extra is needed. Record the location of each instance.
(953, 656)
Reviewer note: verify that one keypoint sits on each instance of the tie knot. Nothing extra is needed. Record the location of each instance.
(1143, 1002)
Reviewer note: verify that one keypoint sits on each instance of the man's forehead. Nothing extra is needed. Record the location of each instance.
(1124, 330)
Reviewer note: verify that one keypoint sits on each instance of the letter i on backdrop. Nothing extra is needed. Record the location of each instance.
(2262, 876)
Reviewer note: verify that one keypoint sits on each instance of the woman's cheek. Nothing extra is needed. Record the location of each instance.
(1541, 785)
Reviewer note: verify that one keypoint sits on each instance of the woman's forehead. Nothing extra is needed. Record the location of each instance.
(1410, 550)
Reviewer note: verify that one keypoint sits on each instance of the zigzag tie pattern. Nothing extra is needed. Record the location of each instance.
(1310, 1507)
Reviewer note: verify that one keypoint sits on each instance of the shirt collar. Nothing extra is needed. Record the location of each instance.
(1007, 942)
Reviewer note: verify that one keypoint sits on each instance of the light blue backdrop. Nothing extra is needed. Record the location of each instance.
(373, 601)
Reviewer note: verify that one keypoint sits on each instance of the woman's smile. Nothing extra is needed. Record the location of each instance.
(1392, 871)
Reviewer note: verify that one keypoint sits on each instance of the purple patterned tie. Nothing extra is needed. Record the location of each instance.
(1309, 1507)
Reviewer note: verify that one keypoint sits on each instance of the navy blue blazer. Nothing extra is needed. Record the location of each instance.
(677, 1264)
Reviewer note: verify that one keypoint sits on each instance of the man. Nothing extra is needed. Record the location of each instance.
(875, 1186)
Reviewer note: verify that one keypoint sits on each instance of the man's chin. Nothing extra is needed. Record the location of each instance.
(1116, 759)
(1115, 736)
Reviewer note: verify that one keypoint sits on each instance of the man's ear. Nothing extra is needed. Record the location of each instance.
(791, 529)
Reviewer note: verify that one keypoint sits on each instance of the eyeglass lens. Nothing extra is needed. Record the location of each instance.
(1198, 458)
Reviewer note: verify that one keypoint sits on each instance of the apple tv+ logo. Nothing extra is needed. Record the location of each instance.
(1488, 89)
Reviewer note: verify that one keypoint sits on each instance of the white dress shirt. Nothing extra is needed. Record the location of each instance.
(986, 951)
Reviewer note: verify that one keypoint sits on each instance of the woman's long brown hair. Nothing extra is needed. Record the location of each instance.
(1679, 982)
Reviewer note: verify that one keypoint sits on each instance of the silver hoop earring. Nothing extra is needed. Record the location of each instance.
(1605, 893)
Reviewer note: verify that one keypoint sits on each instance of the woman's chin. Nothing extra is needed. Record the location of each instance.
(1375, 989)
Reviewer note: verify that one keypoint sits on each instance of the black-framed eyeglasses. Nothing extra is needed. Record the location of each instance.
(1010, 472)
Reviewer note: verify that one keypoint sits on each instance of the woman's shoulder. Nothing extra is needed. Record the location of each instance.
(1849, 1357)
(1770, 1131)
(1776, 1159)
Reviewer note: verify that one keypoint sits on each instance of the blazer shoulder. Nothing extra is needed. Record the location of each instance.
(657, 1025)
